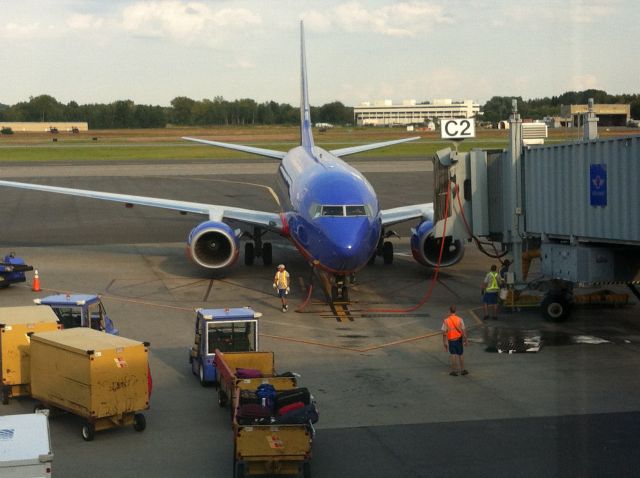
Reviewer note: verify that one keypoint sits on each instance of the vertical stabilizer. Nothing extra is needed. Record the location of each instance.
(306, 138)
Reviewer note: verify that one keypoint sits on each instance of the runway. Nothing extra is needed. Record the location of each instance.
(388, 407)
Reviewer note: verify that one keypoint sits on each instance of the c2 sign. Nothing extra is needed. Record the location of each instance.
(458, 128)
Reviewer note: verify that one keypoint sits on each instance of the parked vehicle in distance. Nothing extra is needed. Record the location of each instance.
(80, 310)
(12, 270)
(229, 330)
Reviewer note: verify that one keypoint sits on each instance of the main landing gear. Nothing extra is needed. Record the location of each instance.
(385, 248)
(257, 248)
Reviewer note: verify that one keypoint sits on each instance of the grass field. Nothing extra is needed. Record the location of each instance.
(166, 143)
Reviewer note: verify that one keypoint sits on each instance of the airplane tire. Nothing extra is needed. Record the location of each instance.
(267, 254)
(249, 253)
(387, 252)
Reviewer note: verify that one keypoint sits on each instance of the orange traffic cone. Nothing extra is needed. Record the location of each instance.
(36, 282)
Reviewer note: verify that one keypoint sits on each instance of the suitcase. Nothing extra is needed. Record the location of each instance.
(248, 396)
(287, 397)
(251, 413)
(306, 414)
(266, 393)
(248, 373)
(289, 408)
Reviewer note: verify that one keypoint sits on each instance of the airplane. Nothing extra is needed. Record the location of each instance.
(328, 210)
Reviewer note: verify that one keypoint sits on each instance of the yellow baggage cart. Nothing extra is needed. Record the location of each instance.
(268, 446)
(16, 326)
(100, 377)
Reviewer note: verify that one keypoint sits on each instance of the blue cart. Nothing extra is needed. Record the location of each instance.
(229, 330)
(12, 270)
(80, 310)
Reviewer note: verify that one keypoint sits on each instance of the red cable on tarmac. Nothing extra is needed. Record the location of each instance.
(306, 301)
(427, 295)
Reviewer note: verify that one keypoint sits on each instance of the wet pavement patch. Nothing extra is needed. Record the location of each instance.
(512, 340)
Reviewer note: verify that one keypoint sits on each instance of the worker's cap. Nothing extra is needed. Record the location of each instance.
(280, 266)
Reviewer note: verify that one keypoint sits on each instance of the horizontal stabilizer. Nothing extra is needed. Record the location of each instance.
(269, 153)
(368, 147)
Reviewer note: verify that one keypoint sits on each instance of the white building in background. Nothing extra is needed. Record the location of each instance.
(385, 113)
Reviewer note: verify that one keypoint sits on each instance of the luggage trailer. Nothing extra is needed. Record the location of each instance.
(269, 448)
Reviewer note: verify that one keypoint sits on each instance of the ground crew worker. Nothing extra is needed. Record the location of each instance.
(490, 288)
(454, 336)
(281, 285)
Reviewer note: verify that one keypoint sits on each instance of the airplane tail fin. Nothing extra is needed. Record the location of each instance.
(306, 137)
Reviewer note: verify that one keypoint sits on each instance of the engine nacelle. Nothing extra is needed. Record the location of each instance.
(213, 245)
(426, 248)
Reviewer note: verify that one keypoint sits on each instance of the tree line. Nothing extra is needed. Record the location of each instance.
(499, 107)
(182, 112)
(185, 111)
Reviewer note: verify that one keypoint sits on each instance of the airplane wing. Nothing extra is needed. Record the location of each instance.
(405, 213)
(368, 147)
(269, 220)
(269, 153)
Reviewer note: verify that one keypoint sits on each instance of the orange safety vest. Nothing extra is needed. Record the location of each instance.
(454, 327)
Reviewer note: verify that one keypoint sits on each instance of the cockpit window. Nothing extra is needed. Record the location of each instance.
(340, 210)
(356, 210)
(333, 210)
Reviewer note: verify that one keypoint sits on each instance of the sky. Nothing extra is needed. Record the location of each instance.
(99, 51)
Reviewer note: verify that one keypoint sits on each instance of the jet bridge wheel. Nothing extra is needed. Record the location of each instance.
(249, 253)
(267, 254)
(555, 308)
(387, 252)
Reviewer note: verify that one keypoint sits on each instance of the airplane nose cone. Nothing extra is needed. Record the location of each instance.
(350, 243)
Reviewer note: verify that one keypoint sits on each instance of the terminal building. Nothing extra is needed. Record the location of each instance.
(385, 113)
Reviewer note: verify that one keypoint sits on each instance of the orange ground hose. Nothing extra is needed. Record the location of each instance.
(434, 279)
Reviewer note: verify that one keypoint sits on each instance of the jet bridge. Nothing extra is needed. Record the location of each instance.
(572, 205)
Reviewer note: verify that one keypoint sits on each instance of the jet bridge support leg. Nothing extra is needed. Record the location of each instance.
(634, 290)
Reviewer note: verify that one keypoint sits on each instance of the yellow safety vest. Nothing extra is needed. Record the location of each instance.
(282, 279)
(493, 283)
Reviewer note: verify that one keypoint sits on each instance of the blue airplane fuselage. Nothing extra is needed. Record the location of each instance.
(308, 180)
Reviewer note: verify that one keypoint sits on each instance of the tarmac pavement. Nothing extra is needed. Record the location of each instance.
(388, 407)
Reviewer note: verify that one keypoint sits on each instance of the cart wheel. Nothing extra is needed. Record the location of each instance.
(88, 431)
(203, 382)
(238, 470)
(222, 399)
(306, 470)
(5, 395)
(139, 422)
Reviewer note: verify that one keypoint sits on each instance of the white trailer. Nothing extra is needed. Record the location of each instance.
(25, 446)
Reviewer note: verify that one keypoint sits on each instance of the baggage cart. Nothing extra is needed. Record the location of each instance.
(227, 364)
(100, 377)
(267, 446)
(25, 446)
(16, 326)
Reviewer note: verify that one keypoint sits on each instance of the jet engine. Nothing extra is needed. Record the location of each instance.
(213, 245)
(426, 248)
